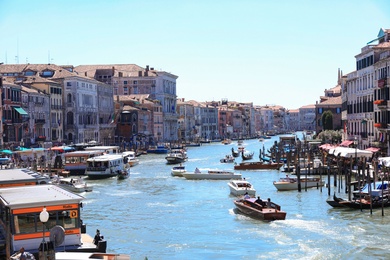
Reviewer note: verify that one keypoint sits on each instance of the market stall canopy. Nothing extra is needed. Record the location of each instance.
(373, 149)
(62, 148)
(346, 143)
(326, 146)
(350, 152)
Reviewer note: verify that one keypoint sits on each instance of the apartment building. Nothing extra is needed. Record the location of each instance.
(127, 79)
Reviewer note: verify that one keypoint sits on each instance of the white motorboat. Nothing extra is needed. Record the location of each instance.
(105, 166)
(178, 171)
(211, 175)
(176, 156)
(76, 185)
(291, 183)
(130, 158)
(241, 187)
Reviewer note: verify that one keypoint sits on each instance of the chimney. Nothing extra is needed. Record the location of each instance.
(147, 67)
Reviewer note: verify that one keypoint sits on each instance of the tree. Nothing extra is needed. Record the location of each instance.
(327, 120)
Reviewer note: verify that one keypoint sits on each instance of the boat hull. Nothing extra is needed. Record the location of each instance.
(212, 176)
(285, 185)
(268, 214)
(257, 166)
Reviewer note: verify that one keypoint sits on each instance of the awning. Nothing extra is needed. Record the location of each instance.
(346, 143)
(372, 149)
(20, 110)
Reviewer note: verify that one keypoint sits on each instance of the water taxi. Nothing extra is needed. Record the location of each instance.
(105, 166)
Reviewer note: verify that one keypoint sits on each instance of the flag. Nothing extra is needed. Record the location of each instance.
(381, 137)
(112, 119)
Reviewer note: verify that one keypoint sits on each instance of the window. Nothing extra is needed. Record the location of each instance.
(338, 110)
(47, 73)
(320, 110)
(125, 82)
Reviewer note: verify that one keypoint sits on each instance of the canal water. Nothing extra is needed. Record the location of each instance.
(155, 215)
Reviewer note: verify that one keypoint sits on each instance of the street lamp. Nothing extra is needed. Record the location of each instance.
(44, 217)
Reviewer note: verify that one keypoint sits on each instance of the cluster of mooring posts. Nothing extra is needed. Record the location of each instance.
(353, 172)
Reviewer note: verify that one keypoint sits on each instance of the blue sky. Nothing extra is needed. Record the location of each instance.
(266, 52)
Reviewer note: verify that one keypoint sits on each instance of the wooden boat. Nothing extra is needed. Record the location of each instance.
(211, 175)
(260, 209)
(176, 156)
(291, 183)
(247, 155)
(178, 171)
(125, 174)
(76, 185)
(228, 159)
(105, 166)
(335, 202)
(235, 153)
(240, 187)
(257, 166)
(364, 202)
(226, 141)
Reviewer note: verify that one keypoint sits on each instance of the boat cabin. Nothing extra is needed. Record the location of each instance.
(21, 177)
(76, 162)
(104, 149)
(20, 224)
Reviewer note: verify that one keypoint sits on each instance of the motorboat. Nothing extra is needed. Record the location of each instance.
(226, 141)
(130, 158)
(257, 166)
(105, 166)
(176, 156)
(228, 159)
(159, 149)
(291, 183)
(260, 209)
(211, 175)
(241, 187)
(178, 171)
(76, 185)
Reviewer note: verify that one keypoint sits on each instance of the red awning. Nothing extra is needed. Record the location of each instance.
(372, 149)
(346, 143)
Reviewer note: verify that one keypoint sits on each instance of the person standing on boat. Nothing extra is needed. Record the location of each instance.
(97, 237)
(246, 196)
(269, 203)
